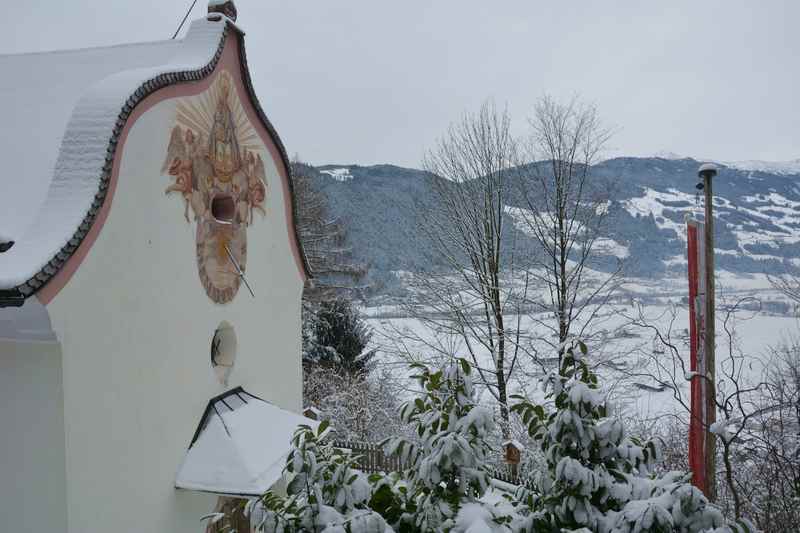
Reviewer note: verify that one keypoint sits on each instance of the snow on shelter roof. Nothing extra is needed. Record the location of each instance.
(240, 446)
(62, 115)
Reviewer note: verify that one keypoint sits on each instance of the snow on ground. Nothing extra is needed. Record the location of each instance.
(339, 174)
(606, 246)
(773, 167)
(638, 354)
(777, 212)
(603, 245)
(665, 154)
(790, 167)
(676, 260)
(630, 354)
(654, 202)
(754, 334)
(520, 216)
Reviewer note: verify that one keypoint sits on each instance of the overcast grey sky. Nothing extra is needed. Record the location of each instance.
(370, 81)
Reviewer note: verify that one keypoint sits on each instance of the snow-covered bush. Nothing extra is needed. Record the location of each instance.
(447, 467)
(597, 478)
(326, 493)
(359, 407)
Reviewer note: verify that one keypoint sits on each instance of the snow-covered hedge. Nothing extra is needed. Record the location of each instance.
(596, 477)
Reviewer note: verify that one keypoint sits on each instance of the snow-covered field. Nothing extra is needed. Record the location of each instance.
(629, 360)
(339, 174)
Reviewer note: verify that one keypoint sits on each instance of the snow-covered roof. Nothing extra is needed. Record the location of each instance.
(62, 115)
(61, 112)
(39, 92)
(240, 446)
(515, 443)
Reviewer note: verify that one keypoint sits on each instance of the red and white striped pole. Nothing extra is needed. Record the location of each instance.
(697, 414)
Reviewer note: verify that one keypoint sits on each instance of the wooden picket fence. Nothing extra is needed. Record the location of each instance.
(371, 458)
(506, 477)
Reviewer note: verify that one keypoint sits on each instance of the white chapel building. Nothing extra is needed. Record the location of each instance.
(150, 285)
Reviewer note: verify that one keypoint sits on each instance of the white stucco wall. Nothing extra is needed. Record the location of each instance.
(136, 326)
(32, 482)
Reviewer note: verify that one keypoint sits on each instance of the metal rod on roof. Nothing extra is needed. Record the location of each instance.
(186, 16)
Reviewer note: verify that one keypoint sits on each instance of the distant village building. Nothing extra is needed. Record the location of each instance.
(150, 286)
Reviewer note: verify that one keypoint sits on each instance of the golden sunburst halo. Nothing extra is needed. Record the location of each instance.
(197, 113)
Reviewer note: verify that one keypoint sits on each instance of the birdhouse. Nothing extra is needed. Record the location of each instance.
(513, 451)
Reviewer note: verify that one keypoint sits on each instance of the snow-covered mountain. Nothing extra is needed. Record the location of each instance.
(757, 206)
(786, 168)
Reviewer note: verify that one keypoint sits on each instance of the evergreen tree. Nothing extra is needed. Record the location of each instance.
(596, 477)
(340, 338)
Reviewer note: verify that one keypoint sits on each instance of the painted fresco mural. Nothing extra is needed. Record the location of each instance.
(214, 162)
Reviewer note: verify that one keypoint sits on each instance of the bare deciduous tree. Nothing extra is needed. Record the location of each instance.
(468, 300)
(360, 407)
(323, 238)
(485, 193)
(787, 283)
(772, 458)
(759, 429)
(739, 399)
(565, 209)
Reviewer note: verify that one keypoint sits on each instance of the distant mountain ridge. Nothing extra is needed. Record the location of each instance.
(790, 167)
(757, 212)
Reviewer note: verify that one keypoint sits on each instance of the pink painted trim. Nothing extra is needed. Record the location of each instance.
(229, 61)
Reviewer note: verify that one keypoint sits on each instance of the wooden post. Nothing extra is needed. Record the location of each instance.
(707, 172)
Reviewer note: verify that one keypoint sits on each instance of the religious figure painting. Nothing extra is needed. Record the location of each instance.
(214, 163)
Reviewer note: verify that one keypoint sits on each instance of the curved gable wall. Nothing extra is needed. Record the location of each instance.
(232, 59)
(86, 155)
(135, 325)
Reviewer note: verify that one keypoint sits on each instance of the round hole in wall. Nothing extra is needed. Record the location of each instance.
(223, 208)
(223, 351)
